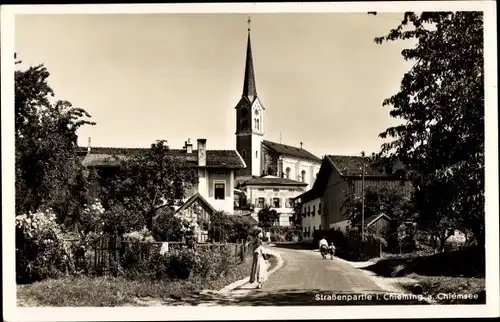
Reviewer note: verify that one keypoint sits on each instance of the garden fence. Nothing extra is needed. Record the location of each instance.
(107, 251)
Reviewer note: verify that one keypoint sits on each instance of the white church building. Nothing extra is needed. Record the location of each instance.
(265, 159)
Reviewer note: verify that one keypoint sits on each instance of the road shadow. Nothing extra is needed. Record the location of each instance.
(463, 263)
(294, 246)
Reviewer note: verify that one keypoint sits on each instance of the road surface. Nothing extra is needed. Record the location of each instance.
(308, 279)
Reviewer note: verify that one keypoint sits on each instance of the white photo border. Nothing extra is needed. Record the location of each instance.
(8, 14)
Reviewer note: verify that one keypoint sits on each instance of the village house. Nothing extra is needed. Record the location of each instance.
(338, 177)
(311, 213)
(216, 173)
(274, 191)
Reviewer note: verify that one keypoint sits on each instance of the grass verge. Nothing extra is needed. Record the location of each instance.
(451, 290)
(109, 292)
(445, 277)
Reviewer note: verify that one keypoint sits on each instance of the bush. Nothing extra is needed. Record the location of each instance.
(166, 227)
(91, 219)
(119, 220)
(143, 235)
(228, 228)
(40, 249)
(138, 250)
(180, 264)
(283, 234)
(205, 264)
(211, 264)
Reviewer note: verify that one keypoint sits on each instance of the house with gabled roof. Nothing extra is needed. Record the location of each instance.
(216, 169)
(338, 177)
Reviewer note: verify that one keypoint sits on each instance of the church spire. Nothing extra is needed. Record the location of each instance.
(249, 88)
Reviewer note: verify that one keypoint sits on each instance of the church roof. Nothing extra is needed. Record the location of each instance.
(105, 156)
(271, 180)
(283, 149)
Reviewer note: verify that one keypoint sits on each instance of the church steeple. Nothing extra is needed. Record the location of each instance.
(249, 88)
(249, 120)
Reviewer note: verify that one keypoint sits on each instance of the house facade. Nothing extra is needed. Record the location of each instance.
(264, 157)
(274, 191)
(215, 168)
(340, 176)
(312, 216)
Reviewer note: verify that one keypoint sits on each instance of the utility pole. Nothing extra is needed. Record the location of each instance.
(363, 198)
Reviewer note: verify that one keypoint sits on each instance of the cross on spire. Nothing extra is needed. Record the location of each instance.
(249, 21)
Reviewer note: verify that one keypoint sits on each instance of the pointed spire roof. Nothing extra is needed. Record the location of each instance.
(249, 88)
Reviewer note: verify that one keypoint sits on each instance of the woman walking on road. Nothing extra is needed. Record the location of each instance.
(259, 264)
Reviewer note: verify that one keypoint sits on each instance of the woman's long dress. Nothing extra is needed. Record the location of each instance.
(259, 267)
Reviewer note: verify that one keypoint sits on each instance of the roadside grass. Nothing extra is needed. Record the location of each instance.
(455, 272)
(448, 290)
(109, 291)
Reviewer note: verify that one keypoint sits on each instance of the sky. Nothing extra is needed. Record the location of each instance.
(143, 77)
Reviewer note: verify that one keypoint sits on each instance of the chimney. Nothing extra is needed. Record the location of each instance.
(88, 147)
(202, 152)
(301, 145)
(189, 146)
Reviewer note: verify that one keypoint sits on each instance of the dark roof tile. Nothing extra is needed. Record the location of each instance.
(273, 181)
(290, 150)
(104, 156)
(351, 166)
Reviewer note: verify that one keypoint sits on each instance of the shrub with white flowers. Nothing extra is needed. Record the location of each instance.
(143, 235)
(40, 249)
(92, 218)
(189, 223)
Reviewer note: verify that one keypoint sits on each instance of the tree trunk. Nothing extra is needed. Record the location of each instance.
(149, 223)
(442, 241)
(480, 237)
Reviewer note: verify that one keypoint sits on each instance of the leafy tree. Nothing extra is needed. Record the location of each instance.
(297, 217)
(48, 172)
(391, 201)
(224, 227)
(166, 226)
(268, 217)
(441, 103)
(151, 180)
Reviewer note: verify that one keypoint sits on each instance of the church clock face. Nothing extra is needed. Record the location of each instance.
(256, 112)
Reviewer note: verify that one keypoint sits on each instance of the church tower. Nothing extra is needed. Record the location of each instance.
(249, 120)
